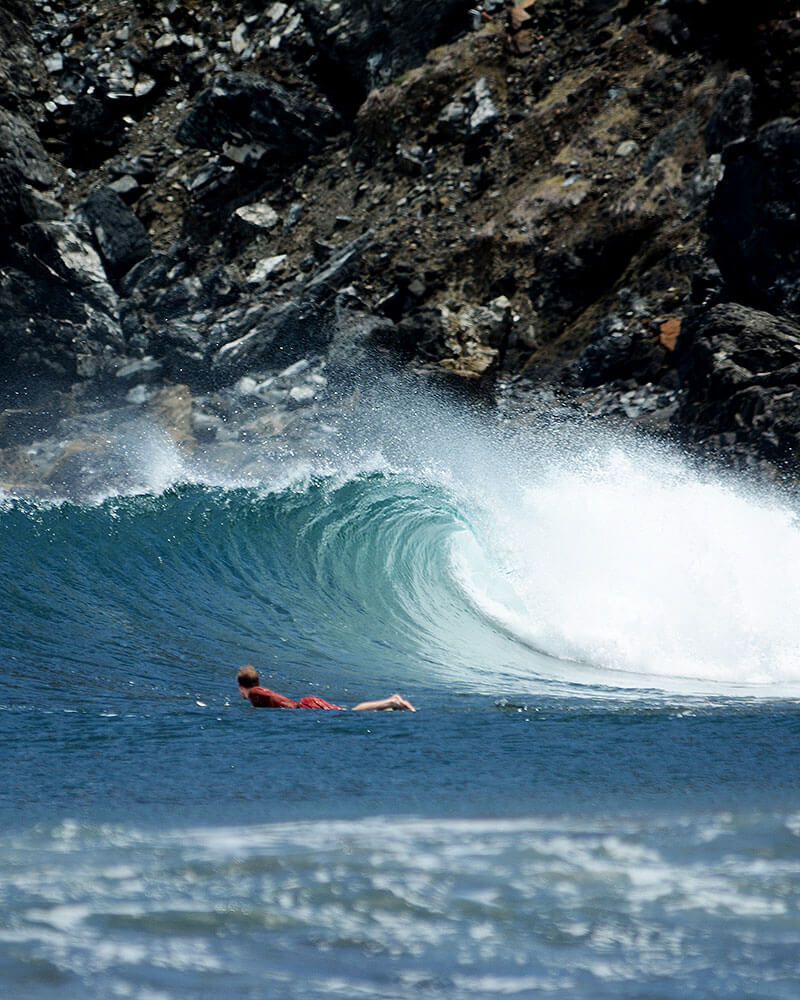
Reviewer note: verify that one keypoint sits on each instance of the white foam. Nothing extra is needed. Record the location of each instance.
(635, 564)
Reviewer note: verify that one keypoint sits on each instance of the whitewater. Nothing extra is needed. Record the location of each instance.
(596, 798)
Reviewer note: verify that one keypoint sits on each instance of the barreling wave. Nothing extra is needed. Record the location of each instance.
(445, 554)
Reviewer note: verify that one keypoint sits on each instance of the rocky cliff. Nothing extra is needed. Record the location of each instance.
(218, 213)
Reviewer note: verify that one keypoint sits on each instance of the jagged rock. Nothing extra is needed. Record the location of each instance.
(211, 181)
(144, 85)
(21, 147)
(740, 369)
(120, 236)
(271, 336)
(474, 337)
(373, 42)
(453, 120)
(627, 148)
(11, 214)
(59, 313)
(39, 206)
(49, 328)
(254, 219)
(338, 271)
(239, 39)
(127, 187)
(472, 115)
(25, 171)
(147, 275)
(245, 110)
(484, 115)
(180, 297)
(264, 268)
(18, 57)
(732, 116)
(61, 250)
(287, 331)
(754, 221)
(617, 352)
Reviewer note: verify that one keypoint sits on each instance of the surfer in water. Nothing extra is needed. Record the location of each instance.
(261, 697)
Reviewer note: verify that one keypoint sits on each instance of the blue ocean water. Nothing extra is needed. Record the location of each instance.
(597, 798)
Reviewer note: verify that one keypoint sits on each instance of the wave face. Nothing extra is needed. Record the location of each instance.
(419, 546)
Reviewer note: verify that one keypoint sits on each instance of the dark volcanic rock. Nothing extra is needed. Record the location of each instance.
(740, 369)
(20, 145)
(120, 236)
(372, 42)
(94, 130)
(258, 335)
(17, 56)
(245, 113)
(732, 117)
(11, 214)
(59, 314)
(47, 328)
(25, 169)
(754, 219)
(614, 352)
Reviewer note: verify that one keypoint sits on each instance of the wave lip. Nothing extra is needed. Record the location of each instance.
(649, 574)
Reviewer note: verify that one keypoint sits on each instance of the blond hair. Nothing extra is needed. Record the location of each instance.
(247, 677)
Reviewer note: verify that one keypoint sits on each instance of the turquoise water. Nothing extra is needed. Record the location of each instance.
(597, 798)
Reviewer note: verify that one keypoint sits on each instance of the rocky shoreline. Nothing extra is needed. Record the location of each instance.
(226, 217)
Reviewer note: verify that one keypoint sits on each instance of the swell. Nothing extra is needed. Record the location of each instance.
(323, 581)
(490, 565)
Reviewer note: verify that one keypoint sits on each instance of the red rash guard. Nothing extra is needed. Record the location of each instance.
(264, 698)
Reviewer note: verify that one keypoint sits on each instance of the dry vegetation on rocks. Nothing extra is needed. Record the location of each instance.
(562, 200)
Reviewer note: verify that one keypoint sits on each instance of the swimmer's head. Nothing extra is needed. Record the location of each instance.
(247, 677)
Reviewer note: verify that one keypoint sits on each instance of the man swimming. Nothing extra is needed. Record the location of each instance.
(261, 697)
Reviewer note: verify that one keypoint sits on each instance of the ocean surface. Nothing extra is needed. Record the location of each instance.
(597, 798)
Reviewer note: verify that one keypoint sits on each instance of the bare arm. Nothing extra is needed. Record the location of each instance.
(394, 702)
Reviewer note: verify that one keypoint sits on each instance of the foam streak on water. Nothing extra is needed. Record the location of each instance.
(357, 904)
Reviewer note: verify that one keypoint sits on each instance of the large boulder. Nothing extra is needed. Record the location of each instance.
(258, 335)
(50, 328)
(253, 118)
(732, 116)
(58, 313)
(754, 219)
(120, 236)
(20, 145)
(373, 41)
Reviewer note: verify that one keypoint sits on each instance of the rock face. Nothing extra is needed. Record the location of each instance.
(592, 201)
(754, 218)
(60, 316)
(741, 370)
